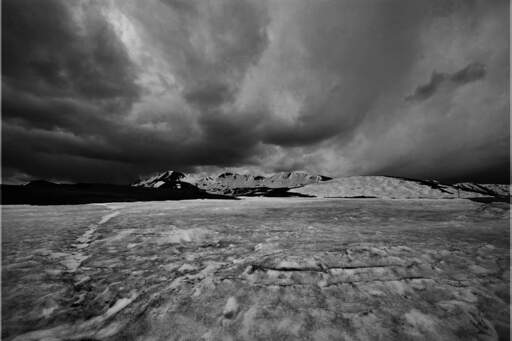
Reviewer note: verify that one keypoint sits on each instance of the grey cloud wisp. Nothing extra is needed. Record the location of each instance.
(104, 91)
(470, 73)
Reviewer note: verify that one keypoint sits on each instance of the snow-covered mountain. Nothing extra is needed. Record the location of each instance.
(231, 183)
(226, 182)
(398, 188)
(167, 179)
(302, 183)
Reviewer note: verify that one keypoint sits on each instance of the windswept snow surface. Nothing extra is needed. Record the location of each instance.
(257, 269)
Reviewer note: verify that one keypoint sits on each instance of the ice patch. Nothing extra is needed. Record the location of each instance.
(69, 260)
(420, 322)
(266, 247)
(122, 234)
(83, 330)
(85, 239)
(177, 236)
(120, 305)
(187, 267)
(73, 260)
(231, 308)
(108, 217)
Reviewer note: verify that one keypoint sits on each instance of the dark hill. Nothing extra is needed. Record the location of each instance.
(46, 193)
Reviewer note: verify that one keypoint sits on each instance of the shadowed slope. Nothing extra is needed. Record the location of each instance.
(47, 193)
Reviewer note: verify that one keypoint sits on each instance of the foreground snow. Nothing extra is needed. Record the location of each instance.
(262, 268)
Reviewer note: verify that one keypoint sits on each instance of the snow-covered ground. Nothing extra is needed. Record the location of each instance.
(258, 268)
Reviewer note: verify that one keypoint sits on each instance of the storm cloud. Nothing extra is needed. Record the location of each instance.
(470, 73)
(106, 91)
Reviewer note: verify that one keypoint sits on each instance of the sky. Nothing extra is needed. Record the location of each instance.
(107, 91)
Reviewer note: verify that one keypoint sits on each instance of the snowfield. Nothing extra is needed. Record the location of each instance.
(396, 188)
(257, 269)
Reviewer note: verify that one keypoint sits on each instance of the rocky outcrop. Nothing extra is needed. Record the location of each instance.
(485, 189)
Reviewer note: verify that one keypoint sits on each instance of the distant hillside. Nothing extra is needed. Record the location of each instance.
(398, 188)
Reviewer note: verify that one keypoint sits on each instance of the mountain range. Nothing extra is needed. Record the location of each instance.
(233, 183)
(174, 185)
(304, 184)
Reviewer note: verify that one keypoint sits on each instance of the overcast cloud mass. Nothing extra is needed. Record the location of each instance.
(104, 91)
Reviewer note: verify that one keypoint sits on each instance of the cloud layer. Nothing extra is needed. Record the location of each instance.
(109, 90)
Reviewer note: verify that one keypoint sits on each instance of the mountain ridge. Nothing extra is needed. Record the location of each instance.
(301, 183)
(230, 182)
(400, 188)
(174, 185)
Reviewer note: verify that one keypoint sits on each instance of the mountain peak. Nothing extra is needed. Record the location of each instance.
(166, 178)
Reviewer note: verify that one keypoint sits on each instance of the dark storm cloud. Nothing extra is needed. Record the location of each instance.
(60, 84)
(50, 113)
(470, 73)
(425, 91)
(340, 76)
(106, 91)
(45, 53)
(209, 95)
(181, 5)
